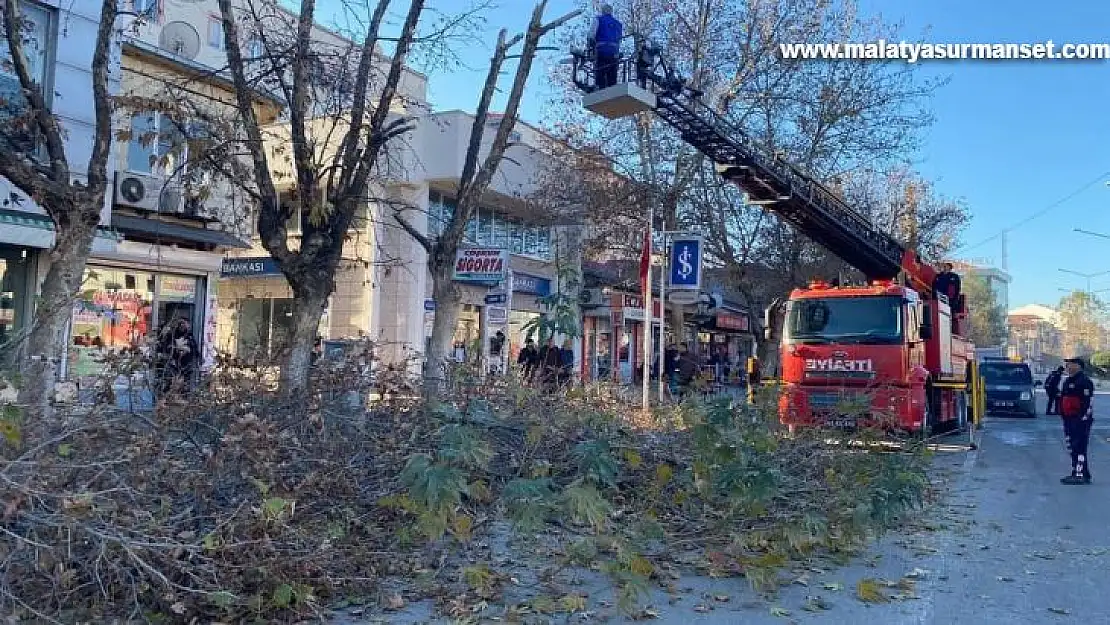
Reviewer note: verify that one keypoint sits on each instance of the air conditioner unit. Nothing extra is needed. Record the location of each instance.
(138, 191)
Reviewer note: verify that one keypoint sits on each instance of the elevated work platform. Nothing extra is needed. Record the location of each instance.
(620, 100)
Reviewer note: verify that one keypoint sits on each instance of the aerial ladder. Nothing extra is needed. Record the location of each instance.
(647, 84)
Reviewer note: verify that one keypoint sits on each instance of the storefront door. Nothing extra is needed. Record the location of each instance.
(15, 282)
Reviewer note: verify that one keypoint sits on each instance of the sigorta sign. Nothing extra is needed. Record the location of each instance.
(481, 265)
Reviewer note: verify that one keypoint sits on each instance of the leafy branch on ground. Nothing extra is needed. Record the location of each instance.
(244, 504)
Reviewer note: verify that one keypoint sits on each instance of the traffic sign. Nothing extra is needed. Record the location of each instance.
(683, 298)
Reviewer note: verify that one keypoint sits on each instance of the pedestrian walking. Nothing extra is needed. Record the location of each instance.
(177, 359)
(1052, 390)
(1077, 414)
(605, 42)
(528, 359)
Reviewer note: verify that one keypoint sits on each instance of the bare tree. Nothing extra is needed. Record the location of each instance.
(340, 116)
(34, 159)
(477, 173)
(830, 118)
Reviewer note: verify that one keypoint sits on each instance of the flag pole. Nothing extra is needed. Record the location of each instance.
(647, 317)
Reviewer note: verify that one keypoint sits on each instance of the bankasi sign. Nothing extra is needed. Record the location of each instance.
(478, 264)
(838, 364)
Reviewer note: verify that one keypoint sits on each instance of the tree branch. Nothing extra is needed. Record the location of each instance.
(348, 150)
(298, 108)
(375, 141)
(102, 102)
(32, 91)
(271, 216)
(424, 241)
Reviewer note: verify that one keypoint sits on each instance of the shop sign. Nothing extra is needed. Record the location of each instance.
(497, 315)
(532, 285)
(481, 264)
(246, 267)
(616, 318)
(685, 263)
(636, 303)
(177, 289)
(729, 321)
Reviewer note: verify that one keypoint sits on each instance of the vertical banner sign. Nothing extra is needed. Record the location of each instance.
(685, 263)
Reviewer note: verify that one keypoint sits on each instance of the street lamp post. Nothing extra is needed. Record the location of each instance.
(1086, 276)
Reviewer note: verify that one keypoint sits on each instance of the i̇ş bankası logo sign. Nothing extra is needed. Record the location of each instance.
(481, 265)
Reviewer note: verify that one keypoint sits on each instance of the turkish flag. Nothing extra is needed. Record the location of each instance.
(645, 262)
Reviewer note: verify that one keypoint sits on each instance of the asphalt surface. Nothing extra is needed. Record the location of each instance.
(1008, 544)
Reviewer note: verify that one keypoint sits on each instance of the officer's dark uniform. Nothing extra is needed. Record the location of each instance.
(1052, 390)
(1075, 410)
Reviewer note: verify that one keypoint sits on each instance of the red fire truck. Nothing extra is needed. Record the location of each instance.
(890, 352)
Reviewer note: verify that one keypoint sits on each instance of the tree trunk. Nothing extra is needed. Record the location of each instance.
(446, 296)
(308, 308)
(46, 344)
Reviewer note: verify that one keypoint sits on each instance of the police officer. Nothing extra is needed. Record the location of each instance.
(1052, 390)
(1076, 393)
(605, 41)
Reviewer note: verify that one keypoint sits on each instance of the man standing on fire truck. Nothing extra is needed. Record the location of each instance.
(1076, 394)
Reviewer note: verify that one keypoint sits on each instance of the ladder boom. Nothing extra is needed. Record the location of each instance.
(768, 179)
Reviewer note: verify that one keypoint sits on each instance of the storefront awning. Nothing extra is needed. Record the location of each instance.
(37, 230)
(167, 232)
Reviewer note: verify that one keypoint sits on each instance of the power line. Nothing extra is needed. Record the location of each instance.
(1040, 213)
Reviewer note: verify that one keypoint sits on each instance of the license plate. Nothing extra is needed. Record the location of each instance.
(841, 423)
(1004, 404)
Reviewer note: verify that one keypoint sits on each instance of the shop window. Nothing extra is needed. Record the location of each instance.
(119, 311)
(113, 314)
(265, 327)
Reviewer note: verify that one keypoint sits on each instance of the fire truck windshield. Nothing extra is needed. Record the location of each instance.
(874, 319)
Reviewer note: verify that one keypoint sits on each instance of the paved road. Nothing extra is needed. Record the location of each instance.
(1010, 544)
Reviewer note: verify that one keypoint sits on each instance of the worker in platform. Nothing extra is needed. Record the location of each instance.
(605, 43)
(1076, 412)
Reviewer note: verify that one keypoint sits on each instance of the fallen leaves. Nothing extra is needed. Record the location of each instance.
(816, 603)
(869, 590)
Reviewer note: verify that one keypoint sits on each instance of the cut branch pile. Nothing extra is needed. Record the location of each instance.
(242, 504)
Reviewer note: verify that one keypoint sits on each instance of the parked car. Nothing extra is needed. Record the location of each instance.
(1010, 387)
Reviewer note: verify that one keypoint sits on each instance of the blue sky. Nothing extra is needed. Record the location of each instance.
(1011, 138)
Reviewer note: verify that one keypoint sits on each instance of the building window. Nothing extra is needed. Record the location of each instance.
(215, 33)
(255, 49)
(36, 47)
(147, 8)
(265, 327)
(157, 145)
(489, 229)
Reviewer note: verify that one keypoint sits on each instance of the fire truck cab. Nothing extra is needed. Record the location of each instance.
(865, 356)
